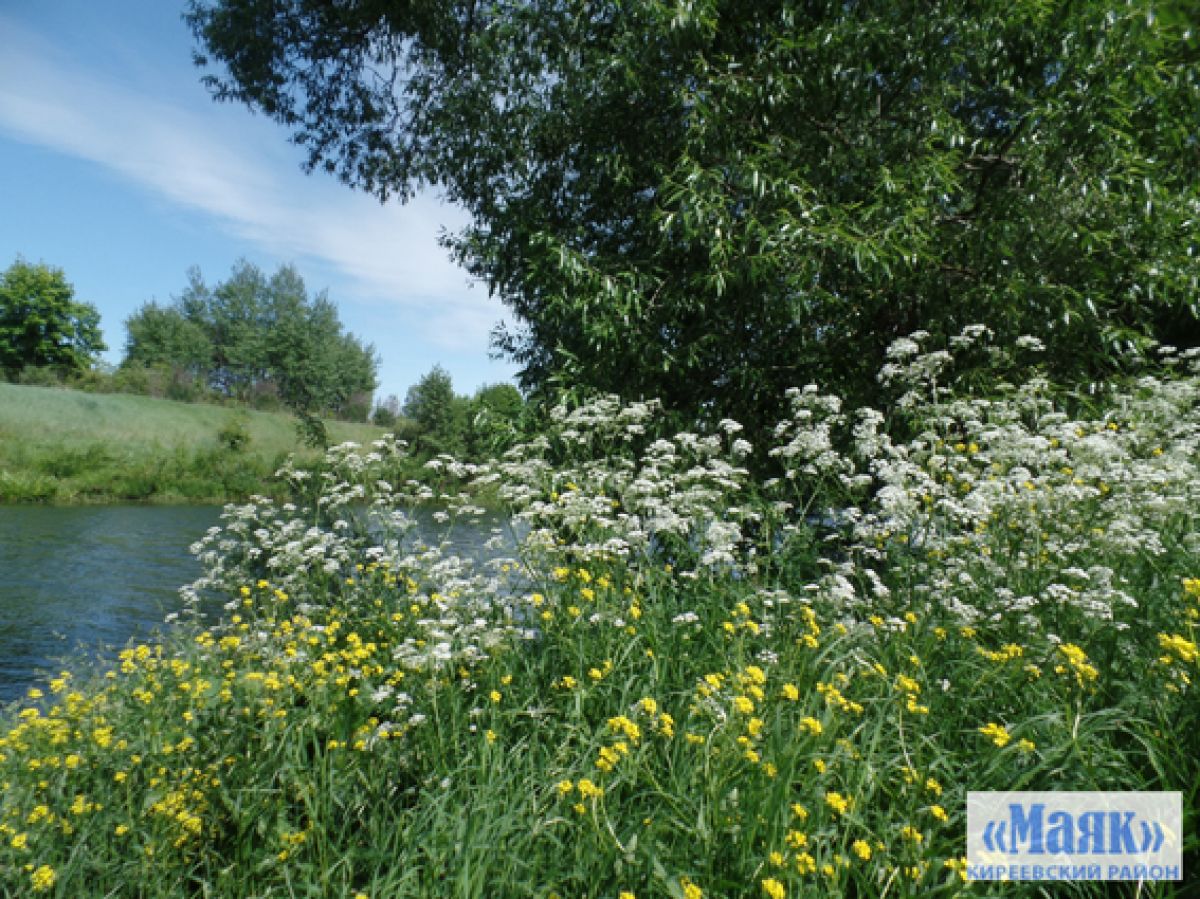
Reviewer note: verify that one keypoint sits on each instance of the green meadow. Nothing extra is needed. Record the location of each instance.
(68, 446)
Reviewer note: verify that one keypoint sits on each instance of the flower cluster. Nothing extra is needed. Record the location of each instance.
(652, 674)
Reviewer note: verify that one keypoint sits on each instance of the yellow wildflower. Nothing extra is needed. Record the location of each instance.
(906, 684)
(43, 879)
(773, 888)
(958, 865)
(589, 790)
(1083, 670)
(1179, 646)
(608, 758)
(839, 803)
(997, 733)
(622, 725)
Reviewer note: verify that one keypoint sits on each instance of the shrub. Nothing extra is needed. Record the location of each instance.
(41, 376)
(234, 434)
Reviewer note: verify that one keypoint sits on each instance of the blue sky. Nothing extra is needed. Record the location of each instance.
(117, 167)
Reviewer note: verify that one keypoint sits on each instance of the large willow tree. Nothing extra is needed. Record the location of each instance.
(712, 201)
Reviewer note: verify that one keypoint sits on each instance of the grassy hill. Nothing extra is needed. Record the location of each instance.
(66, 446)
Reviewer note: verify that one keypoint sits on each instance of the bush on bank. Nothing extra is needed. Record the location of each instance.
(681, 682)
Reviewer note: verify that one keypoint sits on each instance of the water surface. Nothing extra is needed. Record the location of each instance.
(78, 583)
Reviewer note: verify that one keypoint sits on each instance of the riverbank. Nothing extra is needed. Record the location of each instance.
(68, 447)
(647, 711)
(80, 582)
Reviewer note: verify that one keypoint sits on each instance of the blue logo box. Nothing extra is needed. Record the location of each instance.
(1067, 836)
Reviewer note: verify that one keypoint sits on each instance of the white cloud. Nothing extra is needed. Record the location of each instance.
(238, 169)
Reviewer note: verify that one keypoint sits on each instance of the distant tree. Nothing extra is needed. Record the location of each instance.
(41, 323)
(260, 339)
(387, 411)
(356, 364)
(314, 365)
(494, 420)
(439, 413)
(165, 336)
(237, 321)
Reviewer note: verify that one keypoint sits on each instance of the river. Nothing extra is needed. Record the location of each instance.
(78, 583)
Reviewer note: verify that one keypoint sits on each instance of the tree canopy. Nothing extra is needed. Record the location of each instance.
(439, 420)
(712, 201)
(42, 324)
(439, 413)
(252, 335)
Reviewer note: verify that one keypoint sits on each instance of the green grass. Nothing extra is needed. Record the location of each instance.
(286, 753)
(619, 714)
(67, 446)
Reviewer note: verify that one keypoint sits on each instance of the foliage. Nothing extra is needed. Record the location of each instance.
(234, 434)
(641, 697)
(440, 413)
(159, 336)
(387, 412)
(42, 325)
(475, 427)
(497, 419)
(260, 340)
(713, 202)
